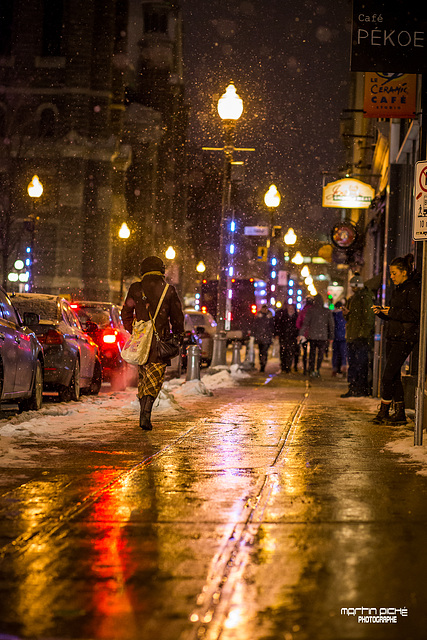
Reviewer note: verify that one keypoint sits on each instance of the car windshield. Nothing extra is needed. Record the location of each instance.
(202, 319)
(101, 317)
(46, 309)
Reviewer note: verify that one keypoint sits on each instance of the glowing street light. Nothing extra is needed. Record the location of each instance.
(298, 258)
(305, 272)
(35, 188)
(290, 237)
(230, 105)
(170, 253)
(124, 232)
(272, 197)
(201, 268)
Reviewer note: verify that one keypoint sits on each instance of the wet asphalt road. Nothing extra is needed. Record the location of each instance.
(271, 512)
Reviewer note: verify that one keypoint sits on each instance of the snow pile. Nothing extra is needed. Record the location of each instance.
(217, 380)
(237, 372)
(405, 447)
(192, 388)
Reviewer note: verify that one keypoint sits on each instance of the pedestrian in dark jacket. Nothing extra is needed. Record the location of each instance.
(339, 345)
(303, 341)
(360, 338)
(142, 297)
(402, 320)
(318, 326)
(285, 328)
(263, 333)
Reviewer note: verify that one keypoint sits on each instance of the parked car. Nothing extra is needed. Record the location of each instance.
(21, 358)
(102, 321)
(205, 327)
(71, 362)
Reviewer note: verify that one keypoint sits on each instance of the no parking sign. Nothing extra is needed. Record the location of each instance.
(420, 202)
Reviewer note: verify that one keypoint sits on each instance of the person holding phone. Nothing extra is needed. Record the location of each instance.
(402, 319)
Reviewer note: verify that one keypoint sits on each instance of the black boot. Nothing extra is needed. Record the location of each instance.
(383, 414)
(398, 416)
(146, 404)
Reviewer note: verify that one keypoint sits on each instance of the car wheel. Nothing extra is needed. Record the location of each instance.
(35, 401)
(72, 392)
(95, 386)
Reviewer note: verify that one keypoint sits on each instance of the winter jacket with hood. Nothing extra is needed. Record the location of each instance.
(318, 321)
(403, 318)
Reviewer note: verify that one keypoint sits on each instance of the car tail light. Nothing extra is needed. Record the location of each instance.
(51, 337)
(110, 337)
(73, 305)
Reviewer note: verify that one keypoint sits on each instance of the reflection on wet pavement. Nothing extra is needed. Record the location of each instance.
(259, 517)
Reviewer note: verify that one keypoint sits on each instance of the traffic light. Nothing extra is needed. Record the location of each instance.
(330, 301)
(253, 308)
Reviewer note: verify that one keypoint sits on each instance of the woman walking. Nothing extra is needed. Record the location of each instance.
(402, 319)
(142, 299)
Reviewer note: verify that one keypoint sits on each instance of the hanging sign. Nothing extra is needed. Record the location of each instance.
(420, 201)
(390, 95)
(344, 235)
(348, 193)
(389, 36)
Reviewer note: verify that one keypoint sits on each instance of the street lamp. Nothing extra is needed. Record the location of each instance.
(272, 197)
(35, 190)
(124, 233)
(230, 108)
(201, 268)
(298, 258)
(272, 200)
(290, 237)
(170, 253)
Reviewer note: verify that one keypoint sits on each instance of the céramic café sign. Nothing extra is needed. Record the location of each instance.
(348, 193)
(389, 37)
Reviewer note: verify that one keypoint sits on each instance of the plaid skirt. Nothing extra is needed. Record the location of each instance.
(150, 379)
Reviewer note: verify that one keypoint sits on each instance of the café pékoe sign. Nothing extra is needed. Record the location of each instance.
(389, 37)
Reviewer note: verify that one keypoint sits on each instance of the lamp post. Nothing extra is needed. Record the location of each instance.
(34, 190)
(124, 233)
(230, 108)
(272, 200)
(200, 268)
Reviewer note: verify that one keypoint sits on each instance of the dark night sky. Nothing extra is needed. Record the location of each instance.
(290, 64)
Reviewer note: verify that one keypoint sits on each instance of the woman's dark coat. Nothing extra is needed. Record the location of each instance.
(170, 313)
(403, 318)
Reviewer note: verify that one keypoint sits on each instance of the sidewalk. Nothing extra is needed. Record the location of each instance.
(270, 510)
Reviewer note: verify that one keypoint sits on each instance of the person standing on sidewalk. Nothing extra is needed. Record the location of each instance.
(360, 336)
(318, 326)
(286, 330)
(402, 332)
(339, 345)
(142, 297)
(263, 334)
(302, 339)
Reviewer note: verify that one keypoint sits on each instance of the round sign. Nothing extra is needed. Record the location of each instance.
(344, 235)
